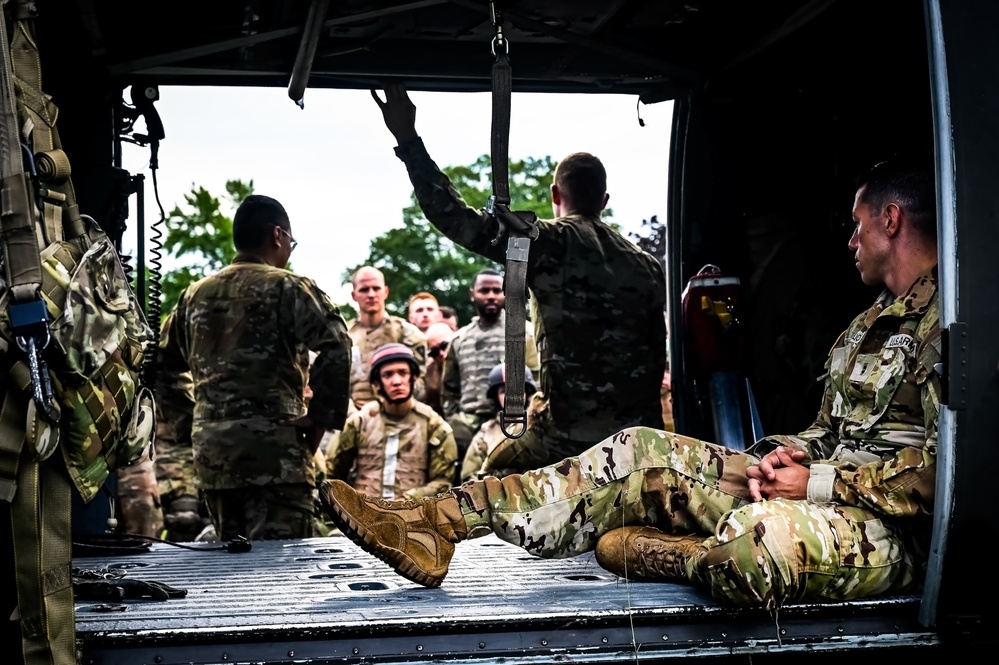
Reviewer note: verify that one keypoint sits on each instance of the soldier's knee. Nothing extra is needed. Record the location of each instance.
(752, 560)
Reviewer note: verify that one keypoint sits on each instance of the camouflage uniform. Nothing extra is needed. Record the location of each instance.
(178, 485)
(366, 340)
(475, 349)
(409, 457)
(139, 499)
(597, 305)
(485, 440)
(864, 528)
(244, 335)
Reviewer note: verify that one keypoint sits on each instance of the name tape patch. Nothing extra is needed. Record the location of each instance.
(901, 341)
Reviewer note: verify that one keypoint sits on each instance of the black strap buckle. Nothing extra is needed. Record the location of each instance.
(505, 420)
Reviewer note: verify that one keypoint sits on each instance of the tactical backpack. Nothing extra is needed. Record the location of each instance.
(72, 339)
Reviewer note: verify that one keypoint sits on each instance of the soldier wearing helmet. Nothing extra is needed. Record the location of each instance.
(397, 446)
(490, 434)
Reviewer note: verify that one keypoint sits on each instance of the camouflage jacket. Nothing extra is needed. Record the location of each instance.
(874, 441)
(475, 349)
(485, 440)
(413, 456)
(244, 335)
(366, 340)
(597, 305)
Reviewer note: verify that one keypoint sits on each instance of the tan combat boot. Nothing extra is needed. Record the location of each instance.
(416, 538)
(646, 553)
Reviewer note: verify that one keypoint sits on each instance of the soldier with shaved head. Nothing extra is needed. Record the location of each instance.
(373, 328)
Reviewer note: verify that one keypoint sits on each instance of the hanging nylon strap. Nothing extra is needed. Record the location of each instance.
(17, 221)
(519, 227)
(38, 493)
(29, 316)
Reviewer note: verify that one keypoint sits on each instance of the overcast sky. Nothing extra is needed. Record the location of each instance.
(333, 168)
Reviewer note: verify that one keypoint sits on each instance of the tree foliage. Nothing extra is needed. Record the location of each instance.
(200, 235)
(417, 257)
(652, 238)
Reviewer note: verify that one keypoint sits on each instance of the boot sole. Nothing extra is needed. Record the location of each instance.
(363, 538)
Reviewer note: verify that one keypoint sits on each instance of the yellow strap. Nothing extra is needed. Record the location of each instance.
(41, 526)
(718, 308)
(12, 422)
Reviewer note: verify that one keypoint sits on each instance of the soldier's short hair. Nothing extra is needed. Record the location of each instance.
(488, 272)
(904, 182)
(582, 179)
(423, 295)
(254, 219)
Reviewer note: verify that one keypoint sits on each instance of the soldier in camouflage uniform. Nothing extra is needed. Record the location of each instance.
(139, 499)
(843, 510)
(490, 434)
(597, 299)
(373, 328)
(475, 350)
(245, 334)
(439, 337)
(183, 514)
(424, 311)
(398, 446)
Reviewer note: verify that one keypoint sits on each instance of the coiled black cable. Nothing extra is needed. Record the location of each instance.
(155, 289)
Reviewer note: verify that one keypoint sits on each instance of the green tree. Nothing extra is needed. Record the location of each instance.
(652, 238)
(200, 234)
(417, 257)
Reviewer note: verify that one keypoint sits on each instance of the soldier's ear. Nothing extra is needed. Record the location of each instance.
(556, 195)
(892, 219)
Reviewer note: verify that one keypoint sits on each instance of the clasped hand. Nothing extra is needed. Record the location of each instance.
(779, 475)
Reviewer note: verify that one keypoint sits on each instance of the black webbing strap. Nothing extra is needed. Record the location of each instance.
(39, 493)
(502, 87)
(519, 228)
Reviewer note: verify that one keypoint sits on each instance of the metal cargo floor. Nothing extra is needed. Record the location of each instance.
(325, 600)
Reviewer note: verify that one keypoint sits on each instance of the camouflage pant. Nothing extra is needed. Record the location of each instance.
(271, 512)
(754, 554)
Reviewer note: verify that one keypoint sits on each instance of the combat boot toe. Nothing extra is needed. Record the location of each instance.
(416, 538)
(646, 553)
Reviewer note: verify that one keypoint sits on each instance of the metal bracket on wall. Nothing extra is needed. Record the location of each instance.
(953, 370)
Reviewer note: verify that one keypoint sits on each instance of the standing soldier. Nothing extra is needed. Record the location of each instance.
(475, 350)
(373, 328)
(424, 311)
(182, 515)
(245, 334)
(438, 340)
(398, 446)
(491, 434)
(139, 499)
